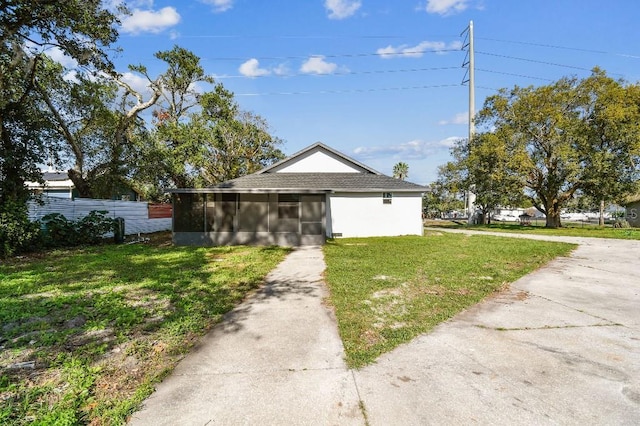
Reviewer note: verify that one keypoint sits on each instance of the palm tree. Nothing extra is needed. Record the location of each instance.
(401, 171)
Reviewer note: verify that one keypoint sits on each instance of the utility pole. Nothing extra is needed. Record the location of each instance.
(469, 77)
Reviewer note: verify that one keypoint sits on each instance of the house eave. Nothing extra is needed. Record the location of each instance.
(288, 191)
(214, 190)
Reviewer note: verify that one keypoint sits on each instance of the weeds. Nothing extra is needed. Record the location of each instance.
(86, 333)
(387, 291)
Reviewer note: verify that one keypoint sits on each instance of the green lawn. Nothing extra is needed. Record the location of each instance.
(567, 230)
(86, 333)
(387, 291)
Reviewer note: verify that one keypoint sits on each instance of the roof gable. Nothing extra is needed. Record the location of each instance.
(318, 158)
(312, 170)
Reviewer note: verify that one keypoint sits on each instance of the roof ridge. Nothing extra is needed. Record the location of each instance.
(326, 148)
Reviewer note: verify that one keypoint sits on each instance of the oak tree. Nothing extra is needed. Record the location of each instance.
(568, 137)
(81, 29)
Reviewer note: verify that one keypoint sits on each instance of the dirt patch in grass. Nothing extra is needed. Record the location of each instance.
(86, 333)
(390, 290)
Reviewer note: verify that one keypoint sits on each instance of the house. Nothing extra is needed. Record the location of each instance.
(632, 211)
(314, 194)
(57, 184)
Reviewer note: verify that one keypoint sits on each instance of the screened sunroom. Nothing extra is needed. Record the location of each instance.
(231, 218)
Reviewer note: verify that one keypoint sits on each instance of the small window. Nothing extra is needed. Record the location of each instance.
(386, 197)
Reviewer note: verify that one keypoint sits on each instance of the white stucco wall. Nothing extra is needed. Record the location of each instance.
(317, 162)
(365, 215)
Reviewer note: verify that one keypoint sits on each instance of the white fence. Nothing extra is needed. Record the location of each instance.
(134, 213)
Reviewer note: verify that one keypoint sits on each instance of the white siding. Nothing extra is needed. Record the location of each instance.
(365, 215)
(319, 162)
(135, 214)
(58, 188)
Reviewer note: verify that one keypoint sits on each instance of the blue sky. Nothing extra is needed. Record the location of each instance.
(381, 80)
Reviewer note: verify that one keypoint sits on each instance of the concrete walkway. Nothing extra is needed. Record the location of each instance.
(276, 360)
(561, 346)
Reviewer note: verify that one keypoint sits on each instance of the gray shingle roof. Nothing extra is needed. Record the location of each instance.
(314, 182)
(269, 180)
(51, 176)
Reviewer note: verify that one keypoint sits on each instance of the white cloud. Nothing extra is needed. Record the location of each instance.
(281, 70)
(137, 82)
(150, 21)
(418, 50)
(446, 7)
(138, 4)
(413, 150)
(219, 6)
(59, 56)
(317, 65)
(341, 9)
(449, 142)
(251, 68)
(459, 118)
(56, 54)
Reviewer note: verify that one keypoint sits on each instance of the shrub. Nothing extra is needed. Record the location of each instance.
(58, 231)
(17, 233)
(92, 228)
(61, 232)
(620, 214)
(621, 223)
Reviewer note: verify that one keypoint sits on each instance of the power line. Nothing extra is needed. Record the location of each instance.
(340, 73)
(326, 92)
(317, 36)
(577, 49)
(399, 54)
(513, 75)
(533, 61)
(488, 88)
(346, 55)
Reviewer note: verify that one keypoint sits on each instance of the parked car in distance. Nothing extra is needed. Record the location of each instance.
(576, 217)
(505, 218)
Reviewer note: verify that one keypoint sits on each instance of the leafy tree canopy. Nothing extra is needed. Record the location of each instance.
(572, 135)
(81, 29)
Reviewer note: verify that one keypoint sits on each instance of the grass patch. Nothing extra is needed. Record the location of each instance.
(387, 291)
(86, 333)
(568, 230)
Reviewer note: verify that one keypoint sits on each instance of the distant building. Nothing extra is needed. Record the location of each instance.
(56, 184)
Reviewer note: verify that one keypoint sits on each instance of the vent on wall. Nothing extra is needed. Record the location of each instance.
(336, 234)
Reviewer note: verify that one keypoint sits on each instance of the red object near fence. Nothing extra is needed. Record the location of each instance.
(160, 211)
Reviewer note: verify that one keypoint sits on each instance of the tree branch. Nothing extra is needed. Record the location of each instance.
(73, 142)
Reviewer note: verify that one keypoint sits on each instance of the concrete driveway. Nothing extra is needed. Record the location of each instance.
(562, 346)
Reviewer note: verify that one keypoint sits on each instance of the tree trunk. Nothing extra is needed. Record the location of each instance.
(81, 184)
(553, 220)
(553, 215)
(601, 220)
